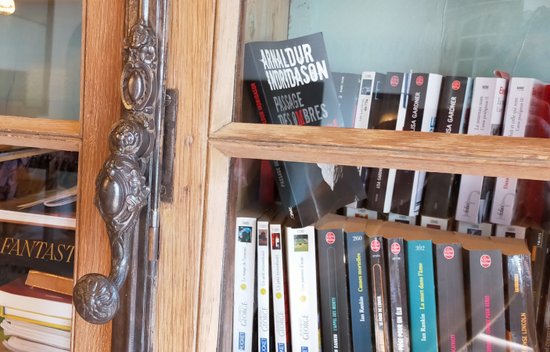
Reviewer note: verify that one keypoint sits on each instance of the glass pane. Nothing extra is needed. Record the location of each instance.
(37, 242)
(40, 62)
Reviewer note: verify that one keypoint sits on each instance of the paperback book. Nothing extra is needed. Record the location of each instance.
(422, 300)
(281, 318)
(379, 292)
(302, 288)
(244, 279)
(291, 84)
(333, 284)
(476, 192)
(451, 307)
(441, 189)
(358, 279)
(408, 185)
(384, 117)
(522, 105)
(397, 279)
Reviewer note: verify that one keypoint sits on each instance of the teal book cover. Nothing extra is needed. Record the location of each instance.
(423, 311)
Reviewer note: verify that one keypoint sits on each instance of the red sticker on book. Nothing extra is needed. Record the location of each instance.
(419, 81)
(395, 248)
(330, 237)
(456, 85)
(375, 245)
(485, 261)
(394, 80)
(449, 252)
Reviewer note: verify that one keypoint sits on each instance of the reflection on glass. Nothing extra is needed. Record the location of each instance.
(37, 243)
(455, 37)
(40, 61)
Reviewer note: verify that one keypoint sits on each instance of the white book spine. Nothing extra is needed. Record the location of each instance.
(364, 100)
(278, 282)
(302, 284)
(488, 97)
(263, 290)
(428, 125)
(243, 293)
(510, 231)
(518, 109)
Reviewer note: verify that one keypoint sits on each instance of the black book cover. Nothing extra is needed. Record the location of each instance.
(451, 307)
(520, 313)
(383, 117)
(441, 190)
(399, 310)
(34, 247)
(538, 242)
(291, 84)
(544, 323)
(347, 90)
(485, 299)
(333, 286)
(404, 179)
(379, 294)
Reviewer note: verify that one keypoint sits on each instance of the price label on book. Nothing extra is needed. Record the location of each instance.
(485, 261)
(395, 248)
(449, 252)
(330, 237)
(375, 245)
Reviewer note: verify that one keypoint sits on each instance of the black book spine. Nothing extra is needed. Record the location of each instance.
(520, 319)
(486, 300)
(379, 294)
(441, 192)
(399, 310)
(404, 179)
(383, 117)
(451, 308)
(538, 242)
(333, 291)
(544, 324)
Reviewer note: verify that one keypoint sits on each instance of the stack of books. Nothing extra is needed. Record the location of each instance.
(34, 319)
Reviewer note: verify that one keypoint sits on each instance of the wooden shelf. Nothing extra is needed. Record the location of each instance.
(527, 158)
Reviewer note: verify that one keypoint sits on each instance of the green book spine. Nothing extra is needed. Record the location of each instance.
(423, 310)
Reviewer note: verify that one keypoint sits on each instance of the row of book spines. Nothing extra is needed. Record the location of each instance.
(421, 277)
(454, 101)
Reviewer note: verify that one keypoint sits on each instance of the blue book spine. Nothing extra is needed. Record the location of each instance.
(359, 291)
(423, 310)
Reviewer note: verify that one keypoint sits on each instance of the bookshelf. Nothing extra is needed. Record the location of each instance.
(231, 139)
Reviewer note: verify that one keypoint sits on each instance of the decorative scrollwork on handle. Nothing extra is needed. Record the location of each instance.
(121, 186)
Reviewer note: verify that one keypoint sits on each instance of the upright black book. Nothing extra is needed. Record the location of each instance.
(379, 294)
(333, 284)
(383, 117)
(399, 309)
(424, 89)
(451, 307)
(538, 242)
(485, 297)
(291, 84)
(441, 191)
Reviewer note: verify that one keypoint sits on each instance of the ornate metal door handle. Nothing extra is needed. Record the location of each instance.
(128, 180)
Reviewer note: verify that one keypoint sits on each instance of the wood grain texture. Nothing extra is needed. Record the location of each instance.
(102, 66)
(39, 126)
(214, 257)
(40, 141)
(527, 158)
(189, 69)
